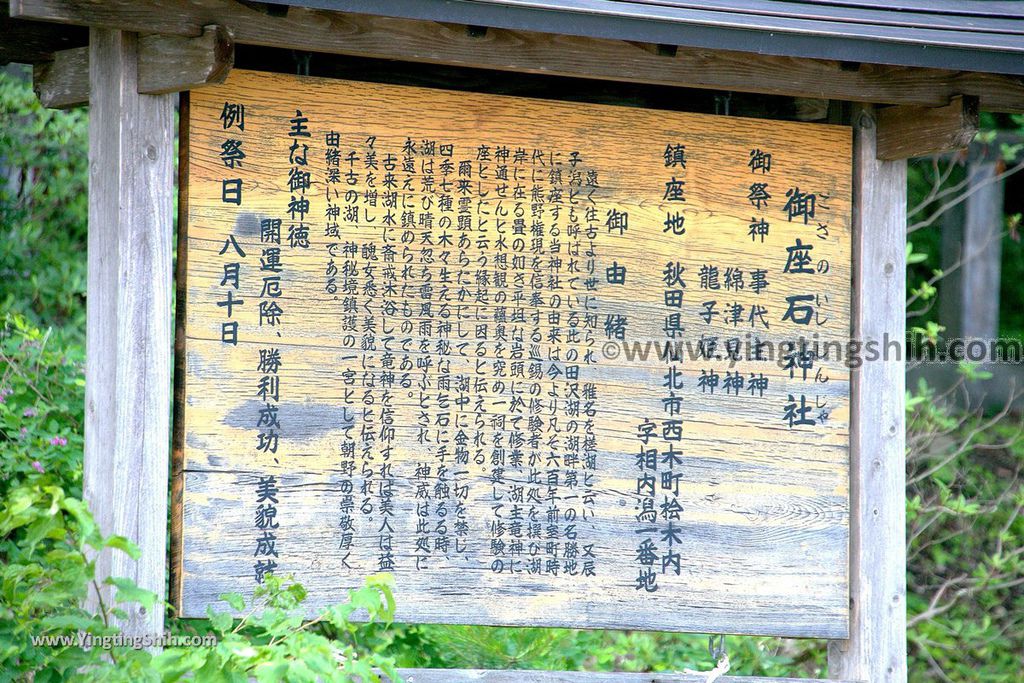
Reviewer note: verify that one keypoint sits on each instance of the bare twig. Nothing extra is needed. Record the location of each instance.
(963, 197)
(976, 253)
(923, 647)
(965, 444)
(936, 192)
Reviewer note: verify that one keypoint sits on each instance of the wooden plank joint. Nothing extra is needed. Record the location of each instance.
(913, 131)
(166, 64)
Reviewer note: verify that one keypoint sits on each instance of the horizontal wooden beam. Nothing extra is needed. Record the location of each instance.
(166, 63)
(911, 131)
(531, 52)
(517, 676)
(63, 82)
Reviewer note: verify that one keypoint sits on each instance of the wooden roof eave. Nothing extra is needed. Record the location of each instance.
(415, 40)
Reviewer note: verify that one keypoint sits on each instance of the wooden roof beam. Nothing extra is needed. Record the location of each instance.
(532, 52)
(910, 131)
(165, 63)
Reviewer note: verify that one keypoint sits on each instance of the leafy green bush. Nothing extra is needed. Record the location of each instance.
(965, 567)
(48, 539)
(604, 650)
(41, 409)
(48, 547)
(273, 643)
(48, 569)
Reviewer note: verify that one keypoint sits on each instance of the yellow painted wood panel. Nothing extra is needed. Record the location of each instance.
(459, 374)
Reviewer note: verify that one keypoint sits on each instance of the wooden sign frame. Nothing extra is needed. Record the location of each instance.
(128, 407)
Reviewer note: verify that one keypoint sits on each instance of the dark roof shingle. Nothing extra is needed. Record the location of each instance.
(962, 35)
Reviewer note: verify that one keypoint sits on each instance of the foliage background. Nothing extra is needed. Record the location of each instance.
(965, 528)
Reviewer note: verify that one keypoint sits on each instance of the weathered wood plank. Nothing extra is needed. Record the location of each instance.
(876, 649)
(391, 38)
(170, 64)
(810, 109)
(166, 64)
(127, 411)
(763, 544)
(912, 131)
(63, 82)
(520, 675)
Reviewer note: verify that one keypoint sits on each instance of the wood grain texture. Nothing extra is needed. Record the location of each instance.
(166, 64)
(764, 540)
(877, 647)
(63, 82)
(423, 41)
(128, 355)
(518, 676)
(905, 131)
(170, 63)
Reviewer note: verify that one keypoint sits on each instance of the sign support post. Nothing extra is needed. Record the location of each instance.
(877, 647)
(128, 356)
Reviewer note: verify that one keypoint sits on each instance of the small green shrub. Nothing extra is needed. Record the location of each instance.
(965, 552)
(48, 547)
(604, 650)
(272, 642)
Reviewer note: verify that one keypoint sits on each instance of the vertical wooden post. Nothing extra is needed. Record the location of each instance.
(972, 234)
(876, 650)
(982, 248)
(128, 334)
(951, 301)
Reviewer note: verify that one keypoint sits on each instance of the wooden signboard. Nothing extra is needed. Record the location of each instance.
(548, 363)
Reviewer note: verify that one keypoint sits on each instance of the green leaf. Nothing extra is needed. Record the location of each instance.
(68, 622)
(298, 591)
(123, 544)
(127, 591)
(220, 621)
(177, 663)
(80, 512)
(272, 672)
(236, 601)
(914, 257)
